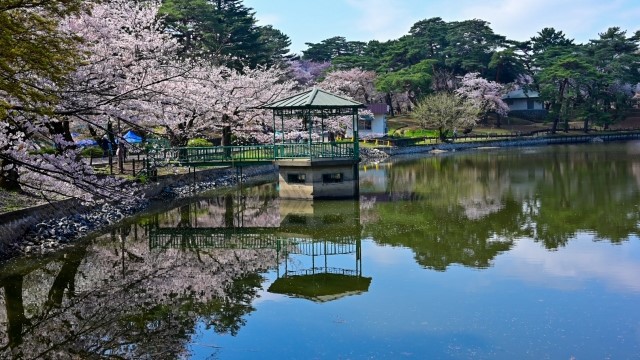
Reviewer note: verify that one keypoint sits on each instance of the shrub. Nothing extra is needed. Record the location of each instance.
(91, 152)
(199, 142)
(45, 150)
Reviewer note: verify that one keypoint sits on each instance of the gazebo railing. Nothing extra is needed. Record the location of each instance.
(322, 270)
(252, 153)
(316, 150)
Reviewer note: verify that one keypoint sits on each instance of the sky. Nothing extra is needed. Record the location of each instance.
(363, 20)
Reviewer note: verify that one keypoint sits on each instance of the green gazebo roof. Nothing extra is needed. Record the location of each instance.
(320, 287)
(314, 98)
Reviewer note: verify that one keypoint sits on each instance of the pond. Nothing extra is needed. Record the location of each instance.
(495, 254)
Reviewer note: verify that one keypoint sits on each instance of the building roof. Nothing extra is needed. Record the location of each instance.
(314, 98)
(522, 94)
(378, 109)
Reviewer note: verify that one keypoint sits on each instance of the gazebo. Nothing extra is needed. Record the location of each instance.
(322, 169)
(325, 239)
(312, 103)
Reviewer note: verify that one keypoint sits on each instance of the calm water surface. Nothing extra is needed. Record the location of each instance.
(499, 254)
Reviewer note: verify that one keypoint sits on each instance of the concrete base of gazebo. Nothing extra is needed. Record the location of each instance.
(318, 178)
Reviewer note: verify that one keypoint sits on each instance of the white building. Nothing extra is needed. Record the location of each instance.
(525, 103)
(376, 126)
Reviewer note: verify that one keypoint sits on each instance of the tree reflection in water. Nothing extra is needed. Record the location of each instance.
(466, 209)
(117, 297)
(142, 290)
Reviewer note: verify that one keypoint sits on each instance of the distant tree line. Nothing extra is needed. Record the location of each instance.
(594, 82)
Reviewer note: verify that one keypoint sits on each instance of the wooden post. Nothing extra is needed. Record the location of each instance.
(133, 164)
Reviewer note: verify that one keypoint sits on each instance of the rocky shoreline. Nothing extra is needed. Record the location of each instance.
(369, 156)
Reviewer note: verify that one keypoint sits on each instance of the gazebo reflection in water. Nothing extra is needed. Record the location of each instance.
(318, 247)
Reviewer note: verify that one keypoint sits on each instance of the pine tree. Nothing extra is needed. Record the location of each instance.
(224, 31)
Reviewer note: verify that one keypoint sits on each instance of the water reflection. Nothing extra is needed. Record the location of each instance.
(139, 291)
(145, 289)
(466, 209)
(320, 231)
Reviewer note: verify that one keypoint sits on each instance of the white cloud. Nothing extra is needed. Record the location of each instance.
(381, 19)
(581, 261)
(268, 19)
(381, 256)
(579, 19)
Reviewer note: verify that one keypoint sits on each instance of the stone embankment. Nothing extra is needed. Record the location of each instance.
(47, 228)
(518, 142)
(368, 156)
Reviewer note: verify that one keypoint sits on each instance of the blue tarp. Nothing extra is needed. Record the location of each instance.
(132, 138)
(86, 142)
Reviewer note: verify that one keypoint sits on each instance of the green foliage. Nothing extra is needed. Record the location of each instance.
(592, 81)
(459, 47)
(224, 31)
(30, 41)
(199, 142)
(46, 150)
(416, 79)
(91, 152)
(332, 48)
(415, 133)
(445, 112)
(506, 65)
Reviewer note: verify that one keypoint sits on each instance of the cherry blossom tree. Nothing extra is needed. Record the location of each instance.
(308, 72)
(129, 73)
(123, 57)
(356, 83)
(483, 94)
(130, 294)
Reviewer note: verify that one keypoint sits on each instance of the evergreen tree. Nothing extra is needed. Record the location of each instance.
(224, 31)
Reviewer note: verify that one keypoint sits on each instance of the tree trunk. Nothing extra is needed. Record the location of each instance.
(185, 217)
(9, 176)
(559, 104)
(120, 154)
(389, 102)
(111, 135)
(226, 140)
(65, 280)
(413, 98)
(565, 118)
(228, 211)
(442, 134)
(15, 309)
(556, 118)
(585, 127)
(61, 128)
(94, 134)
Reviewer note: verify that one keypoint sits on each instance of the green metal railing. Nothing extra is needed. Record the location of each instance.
(247, 238)
(319, 150)
(251, 153)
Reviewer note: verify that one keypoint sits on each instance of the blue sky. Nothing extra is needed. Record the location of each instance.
(363, 20)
